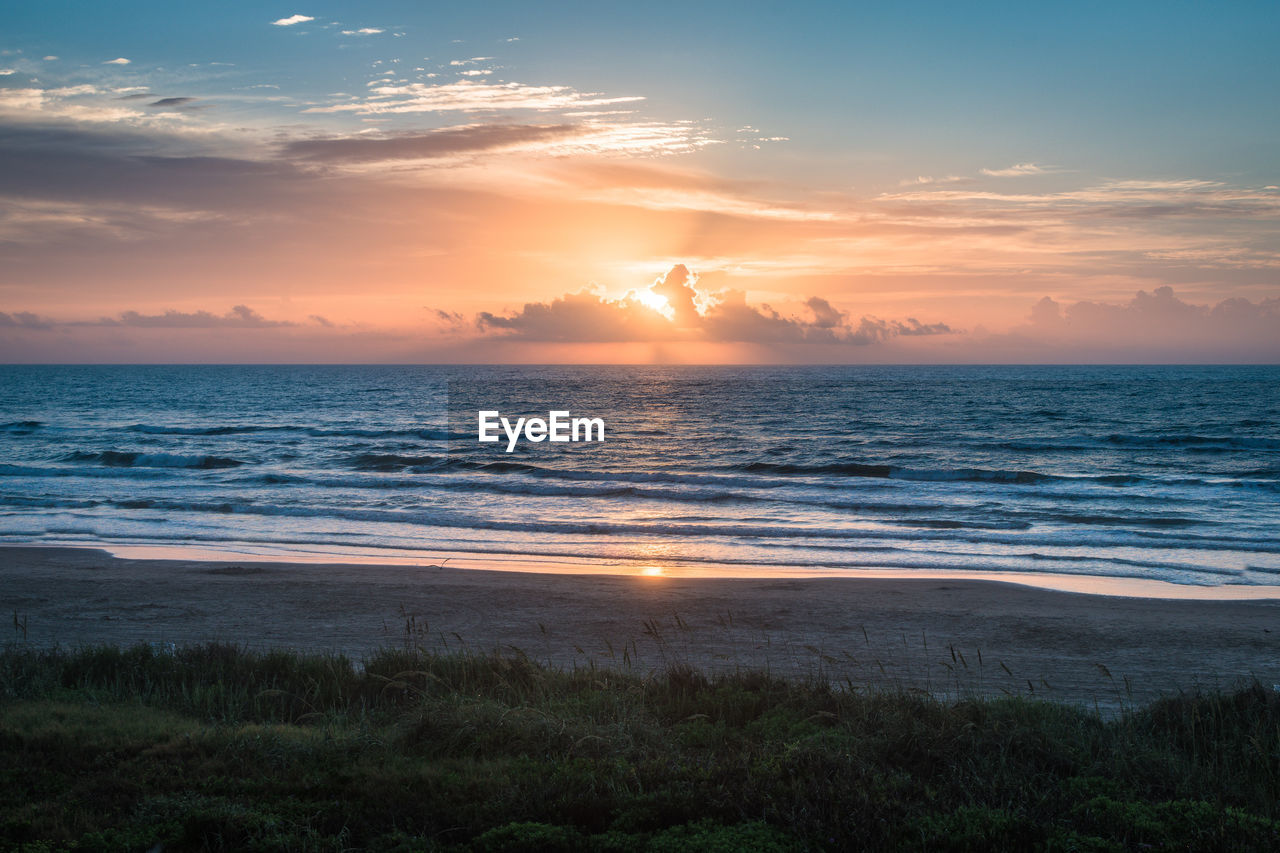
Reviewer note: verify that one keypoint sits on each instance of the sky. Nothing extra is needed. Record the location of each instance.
(658, 182)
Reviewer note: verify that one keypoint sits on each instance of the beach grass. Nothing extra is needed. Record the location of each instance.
(224, 748)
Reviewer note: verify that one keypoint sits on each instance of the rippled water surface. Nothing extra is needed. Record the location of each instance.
(1169, 473)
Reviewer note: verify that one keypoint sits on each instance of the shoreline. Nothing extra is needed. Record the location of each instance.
(292, 553)
(948, 637)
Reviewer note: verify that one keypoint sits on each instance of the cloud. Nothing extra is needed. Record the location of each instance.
(470, 96)
(126, 167)
(363, 31)
(291, 20)
(677, 289)
(449, 318)
(669, 310)
(586, 137)
(1015, 170)
(81, 104)
(872, 330)
(1140, 227)
(119, 60)
(824, 316)
(581, 317)
(929, 179)
(167, 103)
(24, 320)
(240, 317)
(1160, 321)
(321, 321)
(731, 319)
(437, 143)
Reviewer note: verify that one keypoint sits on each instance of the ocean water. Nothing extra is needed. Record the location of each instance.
(1161, 473)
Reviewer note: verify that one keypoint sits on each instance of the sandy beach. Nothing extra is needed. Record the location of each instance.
(949, 637)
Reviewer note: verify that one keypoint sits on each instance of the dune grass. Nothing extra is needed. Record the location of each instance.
(217, 747)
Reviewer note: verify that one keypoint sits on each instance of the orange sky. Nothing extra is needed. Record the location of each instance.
(478, 209)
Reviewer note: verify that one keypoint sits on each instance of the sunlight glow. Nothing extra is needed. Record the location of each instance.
(649, 299)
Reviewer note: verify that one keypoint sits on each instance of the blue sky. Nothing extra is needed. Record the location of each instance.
(1108, 87)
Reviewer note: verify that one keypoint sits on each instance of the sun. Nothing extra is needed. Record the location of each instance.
(652, 572)
(649, 299)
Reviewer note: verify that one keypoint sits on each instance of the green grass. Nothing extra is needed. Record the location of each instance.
(215, 747)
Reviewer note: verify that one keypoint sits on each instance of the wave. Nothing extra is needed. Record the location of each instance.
(1025, 446)
(280, 479)
(897, 512)
(1128, 520)
(924, 514)
(788, 534)
(134, 459)
(956, 524)
(149, 429)
(1192, 441)
(436, 434)
(368, 479)
(1269, 471)
(893, 472)
(424, 433)
(47, 503)
(744, 485)
(9, 470)
(427, 434)
(20, 427)
(391, 462)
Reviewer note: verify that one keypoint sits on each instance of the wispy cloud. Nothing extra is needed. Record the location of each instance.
(241, 317)
(470, 96)
(119, 60)
(552, 140)
(171, 103)
(1145, 198)
(1016, 170)
(363, 31)
(711, 201)
(292, 20)
(925, 180)
(432, 144)
(1129, 205)
(31, 104)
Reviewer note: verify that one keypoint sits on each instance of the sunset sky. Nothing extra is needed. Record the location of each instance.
(670, 182)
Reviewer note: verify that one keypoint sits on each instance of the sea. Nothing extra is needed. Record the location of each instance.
(1164, 473)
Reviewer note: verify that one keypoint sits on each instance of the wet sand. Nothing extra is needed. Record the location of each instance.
(951, 638)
